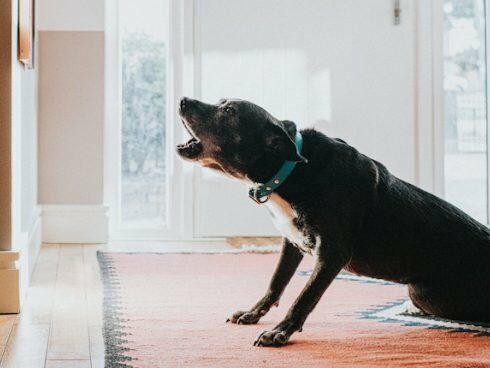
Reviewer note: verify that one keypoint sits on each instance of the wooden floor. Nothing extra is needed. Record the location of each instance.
(61, 320)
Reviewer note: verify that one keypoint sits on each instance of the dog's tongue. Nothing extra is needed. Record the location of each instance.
(191, 149)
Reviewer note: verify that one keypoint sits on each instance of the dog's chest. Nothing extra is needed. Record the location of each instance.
(284, 219)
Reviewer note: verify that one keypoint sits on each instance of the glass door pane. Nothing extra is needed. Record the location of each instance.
(465, 106)
(143, 30)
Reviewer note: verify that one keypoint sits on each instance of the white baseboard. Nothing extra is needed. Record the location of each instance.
(75, 224)
(34, 239)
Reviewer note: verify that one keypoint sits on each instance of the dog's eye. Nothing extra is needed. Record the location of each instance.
(229, 110)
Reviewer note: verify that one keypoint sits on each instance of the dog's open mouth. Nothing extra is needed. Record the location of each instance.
(192, 148)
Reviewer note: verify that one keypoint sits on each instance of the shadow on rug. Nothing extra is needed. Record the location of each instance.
(169, 310)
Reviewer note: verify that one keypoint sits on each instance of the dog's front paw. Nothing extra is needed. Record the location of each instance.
(280, 334)
(245, 317)
(274, 338)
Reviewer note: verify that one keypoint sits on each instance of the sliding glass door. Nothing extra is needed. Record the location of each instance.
(465, 97)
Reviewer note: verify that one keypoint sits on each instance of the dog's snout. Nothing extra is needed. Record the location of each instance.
(184, 102)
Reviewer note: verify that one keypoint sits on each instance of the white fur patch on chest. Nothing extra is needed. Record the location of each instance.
(283, 217)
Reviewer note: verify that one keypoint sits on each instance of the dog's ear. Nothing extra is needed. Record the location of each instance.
(280, 140)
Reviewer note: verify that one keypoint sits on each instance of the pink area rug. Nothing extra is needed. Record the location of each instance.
(169, 310)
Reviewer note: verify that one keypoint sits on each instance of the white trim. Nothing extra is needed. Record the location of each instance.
(29, 246)
(29, 242)
(112, 110)
(196, 73)
(438, 94)
(429, 132)
(34, 241)
(487, 95)
(190, 88)
(75, 224)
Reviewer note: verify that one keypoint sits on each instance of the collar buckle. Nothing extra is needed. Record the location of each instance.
(257, 197)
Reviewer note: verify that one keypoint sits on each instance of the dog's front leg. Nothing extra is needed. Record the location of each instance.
(326, 269)
(288, 263)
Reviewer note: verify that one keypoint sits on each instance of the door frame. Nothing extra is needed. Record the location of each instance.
(429, 94)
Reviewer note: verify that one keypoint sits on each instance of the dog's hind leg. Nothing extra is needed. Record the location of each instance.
(288, 263)
(451, 300)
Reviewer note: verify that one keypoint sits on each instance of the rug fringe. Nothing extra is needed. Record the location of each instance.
(113, 329)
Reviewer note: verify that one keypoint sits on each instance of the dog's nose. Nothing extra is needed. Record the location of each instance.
(185, 102)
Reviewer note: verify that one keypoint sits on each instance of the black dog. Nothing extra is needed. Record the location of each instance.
(348, 211)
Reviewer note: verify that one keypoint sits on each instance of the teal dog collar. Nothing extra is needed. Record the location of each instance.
(261, 193)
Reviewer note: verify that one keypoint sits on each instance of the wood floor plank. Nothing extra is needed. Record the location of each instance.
(93, 283)
(37, 307)
(67, 363)
(26, 347)
(96, 347)
(94, 303)
(69, 329)
(6, 324)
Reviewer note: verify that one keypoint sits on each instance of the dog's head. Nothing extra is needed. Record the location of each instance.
(234, 136)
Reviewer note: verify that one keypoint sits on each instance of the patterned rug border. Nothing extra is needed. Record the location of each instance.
(113, 329)
(398, 311)
(347, 276)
